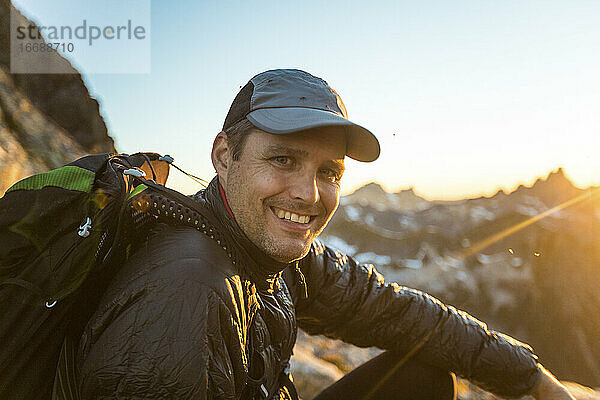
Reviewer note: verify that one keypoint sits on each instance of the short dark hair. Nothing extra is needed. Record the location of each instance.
(236, 137)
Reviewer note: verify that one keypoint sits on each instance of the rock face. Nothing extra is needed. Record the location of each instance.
(46, 120)
(527, 263)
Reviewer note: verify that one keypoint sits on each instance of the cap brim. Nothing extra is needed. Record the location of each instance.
(361, 145)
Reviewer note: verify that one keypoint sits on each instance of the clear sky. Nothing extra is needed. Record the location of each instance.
(466, 97)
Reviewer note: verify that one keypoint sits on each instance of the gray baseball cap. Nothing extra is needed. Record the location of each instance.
(283, 101)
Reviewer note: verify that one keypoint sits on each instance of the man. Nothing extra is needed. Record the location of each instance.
(214, 314)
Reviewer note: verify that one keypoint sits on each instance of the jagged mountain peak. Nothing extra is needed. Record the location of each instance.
(370, 188)
(552, 190)
(557, 178)
(374, 195)
(556, 186)
(410, 190)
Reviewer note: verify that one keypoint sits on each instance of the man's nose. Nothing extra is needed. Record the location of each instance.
(304, 187)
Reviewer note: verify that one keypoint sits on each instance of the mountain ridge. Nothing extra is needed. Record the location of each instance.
(526, 261)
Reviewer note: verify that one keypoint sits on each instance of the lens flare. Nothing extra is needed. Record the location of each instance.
(513, 229)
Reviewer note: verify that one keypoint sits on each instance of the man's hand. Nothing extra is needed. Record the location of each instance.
(549, 388)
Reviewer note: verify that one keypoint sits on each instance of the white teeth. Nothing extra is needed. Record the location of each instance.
(301, 219)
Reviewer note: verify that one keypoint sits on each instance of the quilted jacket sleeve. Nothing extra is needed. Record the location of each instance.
(161, 330)
(352, 302)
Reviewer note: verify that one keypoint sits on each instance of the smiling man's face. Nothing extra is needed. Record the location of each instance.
(285, 188)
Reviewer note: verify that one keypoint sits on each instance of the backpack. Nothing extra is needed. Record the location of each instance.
(63, 234)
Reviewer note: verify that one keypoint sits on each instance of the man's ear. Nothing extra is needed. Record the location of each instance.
(220, 156)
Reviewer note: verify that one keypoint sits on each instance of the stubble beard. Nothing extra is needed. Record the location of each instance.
(254, 222)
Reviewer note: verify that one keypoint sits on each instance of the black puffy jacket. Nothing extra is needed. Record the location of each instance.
(183, 319)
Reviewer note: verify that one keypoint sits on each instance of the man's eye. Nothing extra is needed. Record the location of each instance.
(283, 160)
(330, 175)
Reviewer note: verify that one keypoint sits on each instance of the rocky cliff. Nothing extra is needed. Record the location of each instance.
(46, 120)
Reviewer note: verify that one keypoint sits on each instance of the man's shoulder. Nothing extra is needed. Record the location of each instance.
(172, 287)
(173, 254)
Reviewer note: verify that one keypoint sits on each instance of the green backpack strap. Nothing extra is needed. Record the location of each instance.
(69, 177)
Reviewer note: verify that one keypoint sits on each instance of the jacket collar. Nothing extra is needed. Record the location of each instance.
(260, 267)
